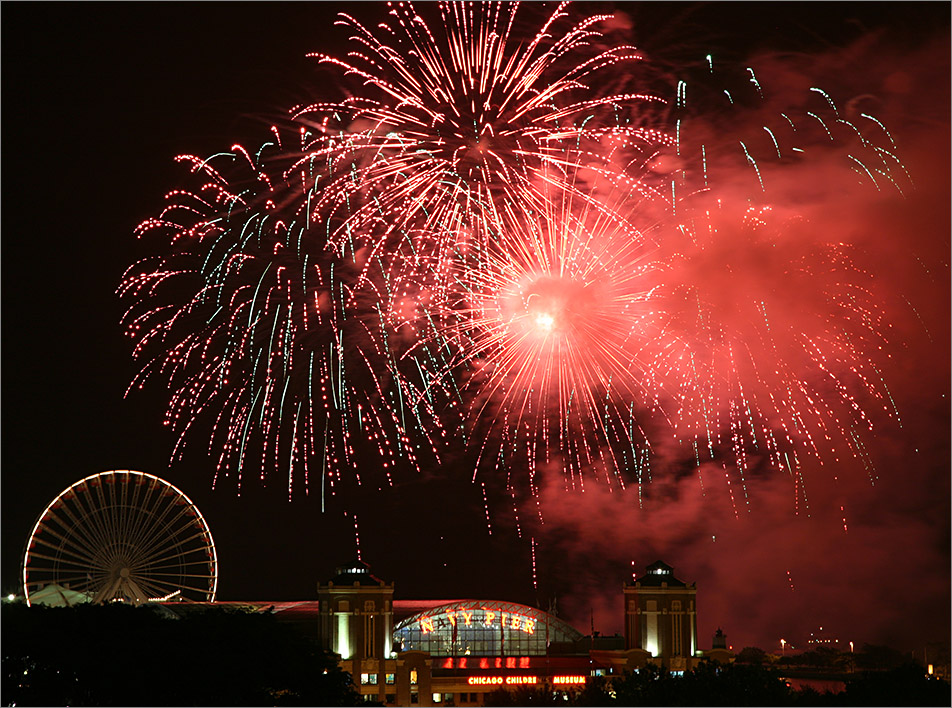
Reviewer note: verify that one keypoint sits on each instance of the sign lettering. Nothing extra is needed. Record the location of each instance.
(509, 621)
(500, 680)
(511, 662)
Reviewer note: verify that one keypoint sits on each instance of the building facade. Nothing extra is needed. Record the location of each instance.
(661, 616)
(426, 653)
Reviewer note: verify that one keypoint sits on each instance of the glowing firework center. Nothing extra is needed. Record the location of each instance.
(481, 629)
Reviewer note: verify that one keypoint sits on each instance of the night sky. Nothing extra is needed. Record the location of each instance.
(98, 99)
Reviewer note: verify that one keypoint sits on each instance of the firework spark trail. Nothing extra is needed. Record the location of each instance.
(260, 330)
(547, 333)
(773, 331)
(451, 128)
(281, 312)
(477, 240)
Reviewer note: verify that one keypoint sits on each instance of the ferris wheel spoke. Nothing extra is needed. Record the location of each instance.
(83, 559)
(70, 579)
(106, 492)
(165, 533)
(95, 511)
(75, 528)
(144, 519)
(157, 524)
(167, 562)
(129, 526)
(109, 508)
(56, 562)
(155, 588)
(166, 552)
(117, 513)
(144, 529)
(201, 576)
(89, 518)
(152, 533)
(110, 512)
(124, 507)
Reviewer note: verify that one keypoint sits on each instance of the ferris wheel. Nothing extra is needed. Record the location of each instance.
(122, 536)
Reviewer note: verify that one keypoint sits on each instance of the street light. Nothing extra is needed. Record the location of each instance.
(783, 646)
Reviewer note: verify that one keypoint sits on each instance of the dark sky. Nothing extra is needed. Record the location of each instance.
(98, 99)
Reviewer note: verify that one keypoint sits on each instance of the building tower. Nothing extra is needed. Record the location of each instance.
(661, 615)
(356, 622)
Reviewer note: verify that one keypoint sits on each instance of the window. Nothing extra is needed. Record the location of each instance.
(369, 635)
(413, 677)
(437, 697)
(368, 679)
(391, 698)
(414, 698)
(389, 679)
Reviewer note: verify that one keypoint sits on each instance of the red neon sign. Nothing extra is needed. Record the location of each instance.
(500, 680)
(523, 680)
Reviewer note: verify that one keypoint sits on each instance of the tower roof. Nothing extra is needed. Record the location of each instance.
(660, 572)
(355, 572)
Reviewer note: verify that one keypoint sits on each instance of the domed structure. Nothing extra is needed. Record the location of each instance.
(483, 628)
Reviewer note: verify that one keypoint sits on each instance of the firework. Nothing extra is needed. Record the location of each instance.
(545, 329)
(773, 327)
(455, 127)
(265, 343)
(479, 239)
(281, 315)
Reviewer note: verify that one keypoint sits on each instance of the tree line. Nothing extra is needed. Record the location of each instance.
(736, 684)
(120, 655)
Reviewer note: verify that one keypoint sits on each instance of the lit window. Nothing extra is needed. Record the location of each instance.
(389, 679)
(364, 679)
(413, 677)
(373, 679)
(437, 697)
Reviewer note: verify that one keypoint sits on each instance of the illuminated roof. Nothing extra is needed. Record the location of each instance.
(483, 628)
(355, 572)
(660, 572)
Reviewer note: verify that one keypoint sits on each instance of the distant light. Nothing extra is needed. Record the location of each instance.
(11, 597)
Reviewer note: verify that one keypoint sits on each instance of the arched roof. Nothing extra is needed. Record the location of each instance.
(445, 616)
